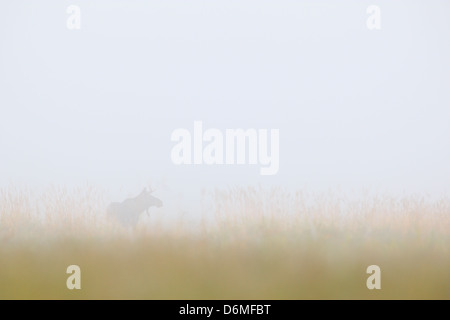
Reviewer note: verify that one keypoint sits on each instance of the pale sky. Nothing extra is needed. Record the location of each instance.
(355, 108)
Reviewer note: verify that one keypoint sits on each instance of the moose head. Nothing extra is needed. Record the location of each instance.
(148, 200)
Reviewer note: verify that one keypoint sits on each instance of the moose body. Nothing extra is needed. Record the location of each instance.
(127, 212)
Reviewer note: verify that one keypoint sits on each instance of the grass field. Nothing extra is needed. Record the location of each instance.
(251, 243)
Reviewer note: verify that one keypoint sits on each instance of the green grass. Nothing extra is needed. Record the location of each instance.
(251, 244)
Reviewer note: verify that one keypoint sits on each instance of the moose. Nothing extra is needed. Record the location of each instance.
(127, 212)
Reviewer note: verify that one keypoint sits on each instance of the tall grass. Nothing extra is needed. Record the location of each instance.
(251, 243)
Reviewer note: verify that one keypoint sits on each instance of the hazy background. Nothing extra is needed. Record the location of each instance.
(355, 108)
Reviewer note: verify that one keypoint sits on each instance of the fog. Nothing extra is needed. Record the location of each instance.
(355, 108)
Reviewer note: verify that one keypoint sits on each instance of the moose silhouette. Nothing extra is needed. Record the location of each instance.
(127, 212)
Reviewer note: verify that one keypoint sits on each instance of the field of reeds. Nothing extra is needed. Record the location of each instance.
(248, 243)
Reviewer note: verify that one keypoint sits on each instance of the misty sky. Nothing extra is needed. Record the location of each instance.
(355, 108)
